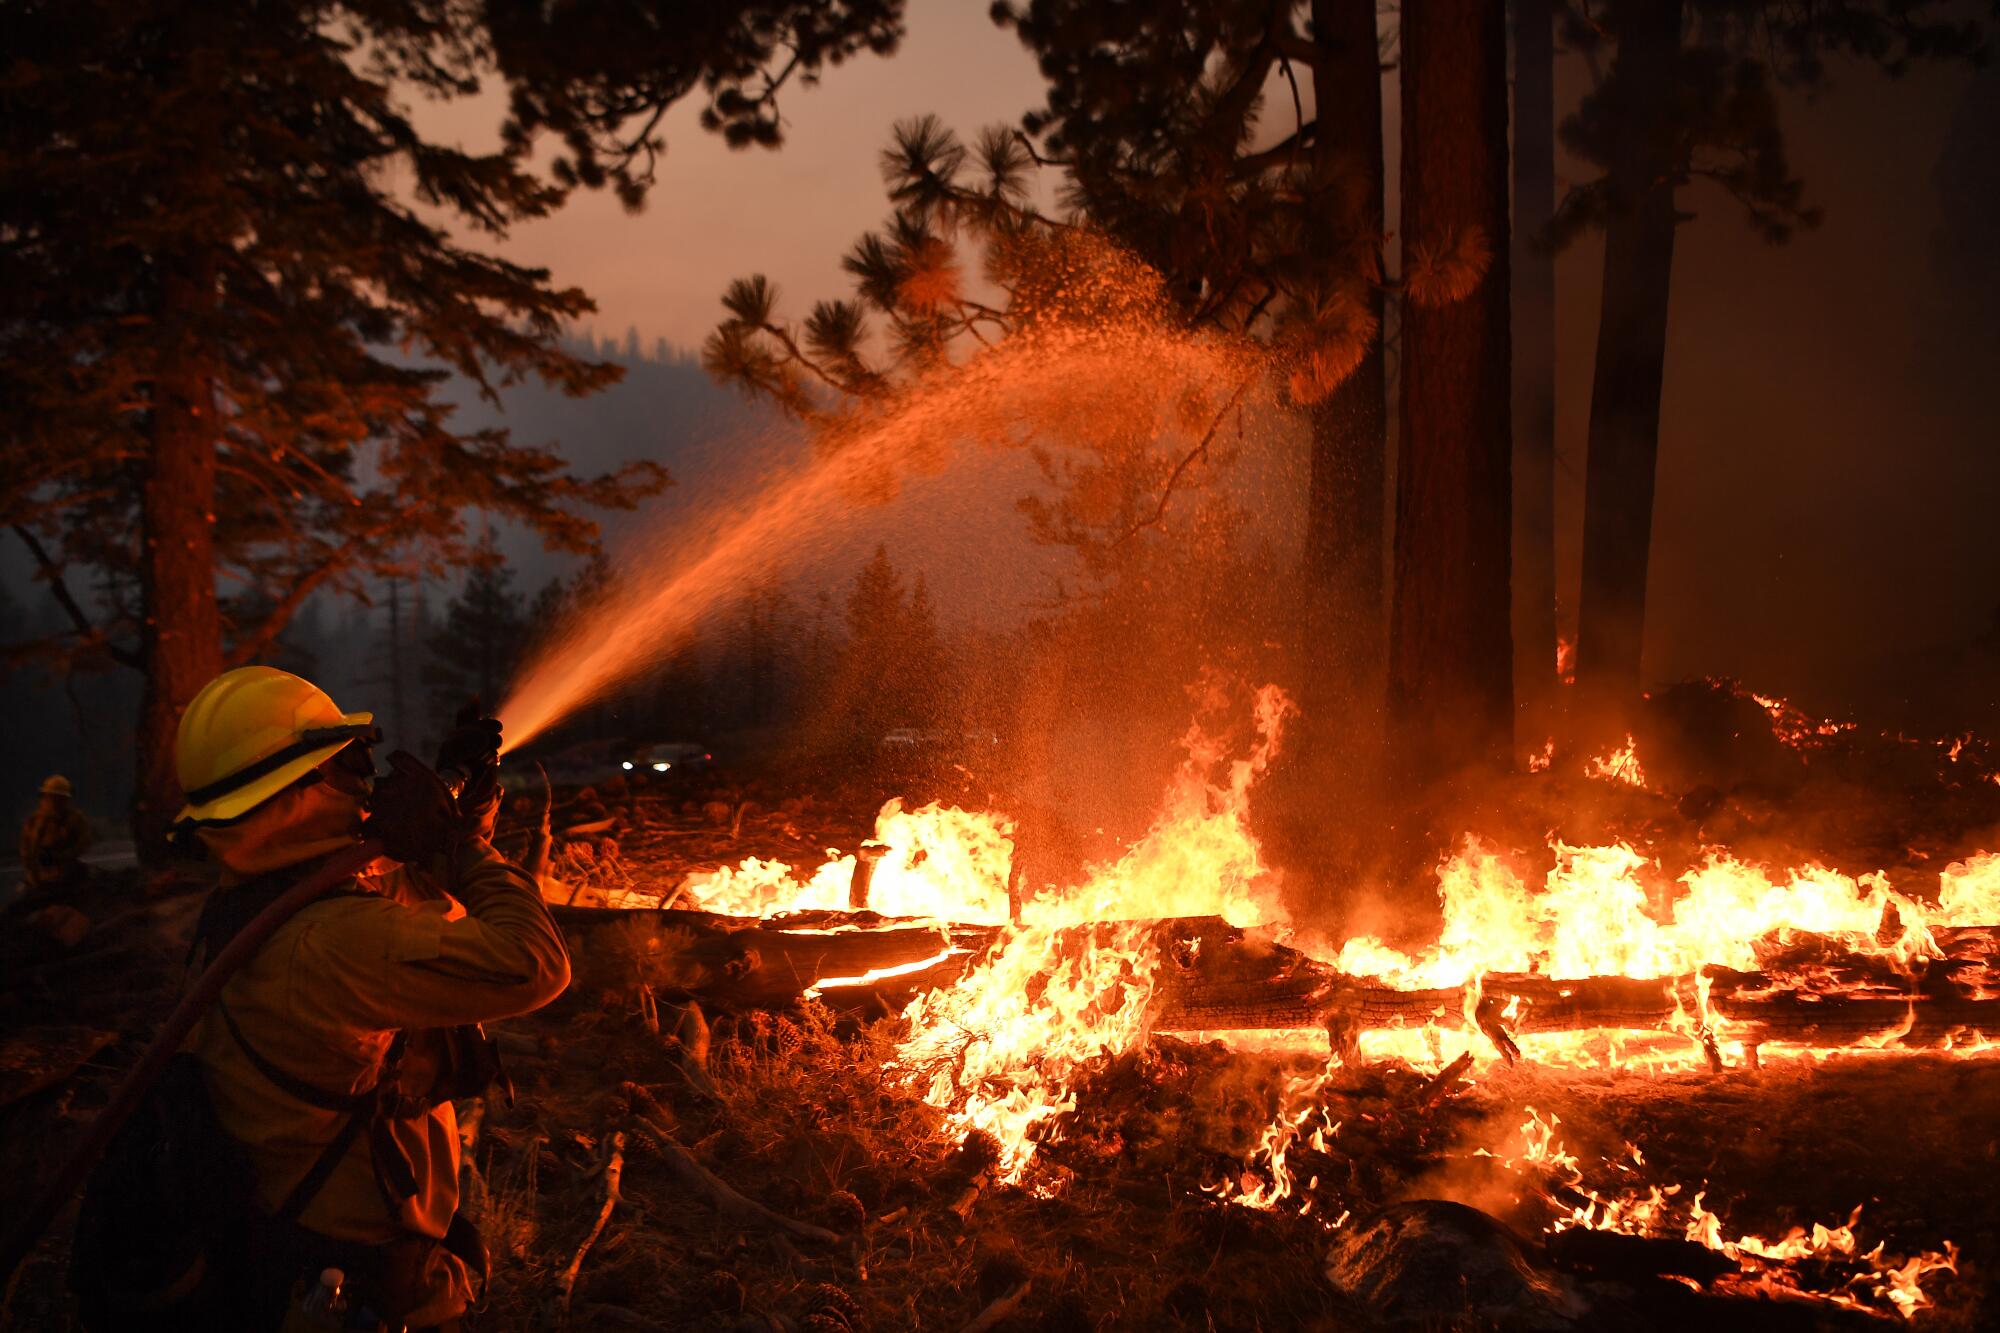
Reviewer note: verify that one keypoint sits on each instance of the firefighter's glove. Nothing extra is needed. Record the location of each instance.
(472, 751)
(412, 813)
(473, 745)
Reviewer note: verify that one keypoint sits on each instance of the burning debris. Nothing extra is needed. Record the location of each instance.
(1014, 1009)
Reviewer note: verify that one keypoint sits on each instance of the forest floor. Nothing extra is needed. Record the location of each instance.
(1119, 1225)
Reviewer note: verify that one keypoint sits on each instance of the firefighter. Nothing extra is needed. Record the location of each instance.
(53, 841)
(333, 1054)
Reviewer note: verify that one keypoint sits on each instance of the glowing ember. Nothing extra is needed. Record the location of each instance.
(1796, 728)
(875, 974)
(1876, 1280)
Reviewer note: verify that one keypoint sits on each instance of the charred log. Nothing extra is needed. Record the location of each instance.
(1218, 977)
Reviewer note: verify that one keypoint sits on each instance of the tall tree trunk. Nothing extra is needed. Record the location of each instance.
(1534, 296)
(397, 697)
(1450, 648)
(1349, 471)
(181, 638)
(1631, 361)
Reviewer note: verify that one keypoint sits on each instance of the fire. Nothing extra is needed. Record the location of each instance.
(1969, 891)
(1540, 761)
(1072, 976)
(942, 863)
(1876, 1280)
(1595, 916)
(1621, 765)
(1797, 728)
(1267, 1179)
(1001, 1050)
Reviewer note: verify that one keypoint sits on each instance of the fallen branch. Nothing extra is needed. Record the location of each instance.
(1219, 977)
(1440, 1085)
(614, 1172)
(720, 1193)
(998, 1310)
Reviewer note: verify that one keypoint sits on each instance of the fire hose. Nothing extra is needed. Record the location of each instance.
(200, 998)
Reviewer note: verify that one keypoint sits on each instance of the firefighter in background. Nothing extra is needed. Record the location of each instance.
(334, 1053)
(53, 841)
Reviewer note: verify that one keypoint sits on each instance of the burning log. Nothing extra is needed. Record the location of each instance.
(1218, 977)
(737, 963)
(865, 857)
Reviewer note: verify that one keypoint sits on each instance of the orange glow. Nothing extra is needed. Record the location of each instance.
(1000, 1051)
(1068, 378)
(1879, 1281)
(1621, 765)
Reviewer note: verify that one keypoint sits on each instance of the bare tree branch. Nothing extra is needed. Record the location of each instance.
(52, 574)
(1173, 478)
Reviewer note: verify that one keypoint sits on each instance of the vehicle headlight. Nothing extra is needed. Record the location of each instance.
(627, 765)
(661, 768)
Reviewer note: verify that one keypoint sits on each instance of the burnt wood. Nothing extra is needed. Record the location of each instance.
(1216, 977)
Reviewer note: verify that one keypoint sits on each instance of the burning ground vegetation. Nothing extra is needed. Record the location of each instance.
(1693, 1029)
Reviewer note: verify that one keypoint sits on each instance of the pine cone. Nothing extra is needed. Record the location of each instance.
(829, 1309)
(723, 1291)
(789, 1037)
(843, 1212)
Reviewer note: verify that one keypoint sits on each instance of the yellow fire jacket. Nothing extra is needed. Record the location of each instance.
(51, 841)
(322, 1000)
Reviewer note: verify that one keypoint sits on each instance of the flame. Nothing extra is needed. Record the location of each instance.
(1969, 891)
(1266, 1179)
(1069, 981)
(1877, 1280)
(941, 862)
(1001, 1050)
(1796, 728)
(1621, 765)
(1539, 762)
(1596, 915)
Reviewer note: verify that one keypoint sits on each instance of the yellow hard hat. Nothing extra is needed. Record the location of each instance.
(56, 785)
(251, 733)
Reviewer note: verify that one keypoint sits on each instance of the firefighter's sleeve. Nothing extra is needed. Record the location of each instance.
(76, 837)
(414, 968)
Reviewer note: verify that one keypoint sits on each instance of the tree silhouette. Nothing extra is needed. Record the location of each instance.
(235, 279)
(475, 648)
(1450, 649)
(1152, 118)
(1690, 96)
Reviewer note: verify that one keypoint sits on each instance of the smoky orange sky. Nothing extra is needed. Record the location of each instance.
(1820, 506)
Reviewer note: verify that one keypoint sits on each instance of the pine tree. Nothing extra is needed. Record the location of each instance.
(1690, 95)
(474, 652)
(234, 278)
(1450, 651)
(873, 689)
(924, 659)
(1151, 119)
(1533, 282)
